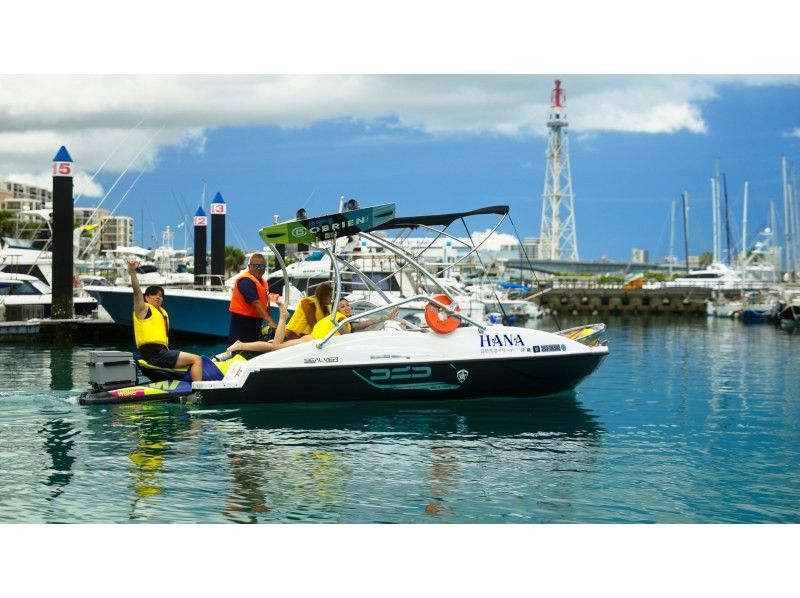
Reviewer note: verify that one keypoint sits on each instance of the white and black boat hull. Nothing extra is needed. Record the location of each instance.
(386, 366)
(415, 381)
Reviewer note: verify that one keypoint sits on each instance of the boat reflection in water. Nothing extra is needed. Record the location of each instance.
(307, 462)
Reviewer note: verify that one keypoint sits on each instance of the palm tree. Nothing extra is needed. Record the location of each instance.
(234, 260)
(705, 259)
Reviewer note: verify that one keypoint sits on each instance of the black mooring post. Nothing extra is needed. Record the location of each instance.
(200, 247)
(218, 211)
(63, 222)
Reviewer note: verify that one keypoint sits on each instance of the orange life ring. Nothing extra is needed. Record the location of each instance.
(438, 319)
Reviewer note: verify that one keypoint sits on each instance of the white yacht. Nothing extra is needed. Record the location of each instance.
(24, 297)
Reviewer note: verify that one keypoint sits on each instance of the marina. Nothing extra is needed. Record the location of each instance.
(363, 331)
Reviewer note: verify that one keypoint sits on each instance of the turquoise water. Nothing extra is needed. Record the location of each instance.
(687, 421)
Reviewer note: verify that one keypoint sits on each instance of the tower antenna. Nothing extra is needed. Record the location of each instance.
(557, 234)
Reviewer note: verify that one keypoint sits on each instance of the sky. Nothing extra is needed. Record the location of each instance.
(155, 147)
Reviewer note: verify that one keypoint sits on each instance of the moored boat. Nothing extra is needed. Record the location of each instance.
(24, 297)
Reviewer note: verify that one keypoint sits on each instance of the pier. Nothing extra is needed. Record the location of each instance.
(67, 331)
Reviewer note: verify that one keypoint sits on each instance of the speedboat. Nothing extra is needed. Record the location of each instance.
(470, 361)
(24, 297)
(447, 356)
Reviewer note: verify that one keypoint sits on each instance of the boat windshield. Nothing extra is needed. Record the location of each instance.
(25, 287)
(315, 256)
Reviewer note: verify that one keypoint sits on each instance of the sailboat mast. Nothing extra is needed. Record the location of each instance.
(774, 251)
(787, 221)
(672, 240)
(714, 223)
(744, 224)
(794, 223)
(728, 254)
(686, 227)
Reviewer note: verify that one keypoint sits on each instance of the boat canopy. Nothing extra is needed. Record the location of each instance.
(439, 219)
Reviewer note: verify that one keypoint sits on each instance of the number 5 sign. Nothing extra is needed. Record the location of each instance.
(62, 163)
(62, 168)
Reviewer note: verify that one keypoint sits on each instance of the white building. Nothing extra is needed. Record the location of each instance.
(33, 206)
(19, 196)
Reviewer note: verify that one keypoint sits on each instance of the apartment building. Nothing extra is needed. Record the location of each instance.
(18, 198)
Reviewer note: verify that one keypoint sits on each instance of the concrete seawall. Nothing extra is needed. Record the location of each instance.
(617, 300)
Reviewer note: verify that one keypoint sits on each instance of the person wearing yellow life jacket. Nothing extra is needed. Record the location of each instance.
(249, 305)
(310, 311)
(151, 329)
(321, 328)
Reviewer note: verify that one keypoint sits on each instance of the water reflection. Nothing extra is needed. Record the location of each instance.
(59, 443)
(305, 462)
(153, 430)
(278, 476)
(61, 368)
(473, 418)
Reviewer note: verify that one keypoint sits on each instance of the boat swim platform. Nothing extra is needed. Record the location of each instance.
(618, 300)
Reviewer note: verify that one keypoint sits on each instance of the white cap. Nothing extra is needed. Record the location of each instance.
(351, 297)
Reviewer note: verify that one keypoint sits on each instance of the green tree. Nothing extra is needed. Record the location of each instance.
(6, 224)
(705, 259)
(234, 260)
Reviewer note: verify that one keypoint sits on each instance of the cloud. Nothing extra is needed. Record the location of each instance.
(794, 132)
(83, 185)
(119, 122)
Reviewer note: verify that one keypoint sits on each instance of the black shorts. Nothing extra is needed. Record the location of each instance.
(159, 356)
(244, 328)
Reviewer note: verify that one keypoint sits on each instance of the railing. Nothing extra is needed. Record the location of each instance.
(451, 310)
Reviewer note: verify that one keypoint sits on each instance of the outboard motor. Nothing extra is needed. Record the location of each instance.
(111, 369)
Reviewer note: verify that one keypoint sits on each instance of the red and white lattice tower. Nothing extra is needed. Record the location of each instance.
(557, 236)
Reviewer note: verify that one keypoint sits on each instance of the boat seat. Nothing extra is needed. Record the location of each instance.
(212, 370)
(156, 373)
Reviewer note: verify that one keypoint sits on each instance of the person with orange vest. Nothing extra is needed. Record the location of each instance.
(249, 304)
(151, 329)
(320, 329)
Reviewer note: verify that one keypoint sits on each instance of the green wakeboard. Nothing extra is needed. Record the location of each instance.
(331, 226)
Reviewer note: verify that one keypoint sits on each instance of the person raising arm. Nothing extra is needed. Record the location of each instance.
(151, 329)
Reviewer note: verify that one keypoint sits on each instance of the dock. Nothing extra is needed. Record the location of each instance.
(66, 331)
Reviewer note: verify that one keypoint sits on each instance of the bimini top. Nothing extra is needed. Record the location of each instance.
(439, 219)
(330, 226)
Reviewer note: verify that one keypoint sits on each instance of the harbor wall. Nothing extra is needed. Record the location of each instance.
(618, 300)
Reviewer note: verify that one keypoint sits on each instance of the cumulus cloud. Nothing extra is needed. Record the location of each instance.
(83, 185)
(120, 122)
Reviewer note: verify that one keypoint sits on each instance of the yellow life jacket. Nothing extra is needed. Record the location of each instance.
(298, 323)
(324, 326)
(153, 329)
